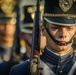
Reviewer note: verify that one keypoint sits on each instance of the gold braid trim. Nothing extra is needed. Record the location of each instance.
(60, 15)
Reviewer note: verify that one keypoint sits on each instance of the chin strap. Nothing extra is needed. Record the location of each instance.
(56, 41)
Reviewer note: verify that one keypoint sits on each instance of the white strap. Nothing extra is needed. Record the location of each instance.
(46, 70)
(72, 70)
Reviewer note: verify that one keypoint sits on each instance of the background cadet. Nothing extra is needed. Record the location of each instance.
(26, 31)
(7, 30)
(8, 22)
(26, 27)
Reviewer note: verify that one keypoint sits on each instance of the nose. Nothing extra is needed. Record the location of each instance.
(63, 32)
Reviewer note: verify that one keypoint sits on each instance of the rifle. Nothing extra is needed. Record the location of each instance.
(35, 52)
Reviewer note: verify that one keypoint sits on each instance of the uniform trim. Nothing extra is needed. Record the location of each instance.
(59, 15)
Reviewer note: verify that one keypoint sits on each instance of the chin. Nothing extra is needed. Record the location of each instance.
(63, 48)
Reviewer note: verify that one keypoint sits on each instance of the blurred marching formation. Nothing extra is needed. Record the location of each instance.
(16, 25)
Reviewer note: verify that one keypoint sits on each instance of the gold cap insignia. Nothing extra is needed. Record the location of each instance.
(31, 10)
(7, 6)
(65, 5)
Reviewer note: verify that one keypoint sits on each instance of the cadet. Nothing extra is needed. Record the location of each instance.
(59, 27)
(26, 28)
(7, 32)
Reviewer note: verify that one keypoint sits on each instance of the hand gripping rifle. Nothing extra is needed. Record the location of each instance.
(35, 54)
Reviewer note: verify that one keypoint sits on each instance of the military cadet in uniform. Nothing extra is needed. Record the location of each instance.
(7, 32)
(26, 28)
(59, 27)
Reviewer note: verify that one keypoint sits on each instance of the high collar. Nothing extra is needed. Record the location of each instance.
(52, 58)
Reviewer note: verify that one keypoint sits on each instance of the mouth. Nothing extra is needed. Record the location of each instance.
(62, 42)
(6, 35)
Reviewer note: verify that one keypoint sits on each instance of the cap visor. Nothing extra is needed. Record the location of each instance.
(61, 21)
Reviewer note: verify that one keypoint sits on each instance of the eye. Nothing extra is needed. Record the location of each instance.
(70, 28)
(55, 28)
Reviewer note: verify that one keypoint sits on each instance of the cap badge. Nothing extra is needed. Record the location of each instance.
(31, 10)
(65, 5)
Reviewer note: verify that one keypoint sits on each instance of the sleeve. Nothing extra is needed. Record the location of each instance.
(20, 69)
(14, 71)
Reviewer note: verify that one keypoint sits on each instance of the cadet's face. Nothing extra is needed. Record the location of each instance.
(7, 30)
(60, 33)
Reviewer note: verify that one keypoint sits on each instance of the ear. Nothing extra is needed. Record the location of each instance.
(42, 29)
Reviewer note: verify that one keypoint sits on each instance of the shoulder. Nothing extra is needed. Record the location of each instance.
(4, 68)
(4, 64)
(20, 69)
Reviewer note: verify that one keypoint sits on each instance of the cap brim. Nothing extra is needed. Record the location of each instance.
(64, 21)
(26, 31)
(4, 20)
(27, 28)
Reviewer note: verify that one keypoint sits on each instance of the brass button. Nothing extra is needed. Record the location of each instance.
(60, 72)
(6, 58)
(74, 52)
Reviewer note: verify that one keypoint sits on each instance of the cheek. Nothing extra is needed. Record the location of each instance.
(71, 34)
(48, 39)
(1, 28)
(11, 29)
(53, 32)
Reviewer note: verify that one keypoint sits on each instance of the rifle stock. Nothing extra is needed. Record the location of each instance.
(34, 59)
